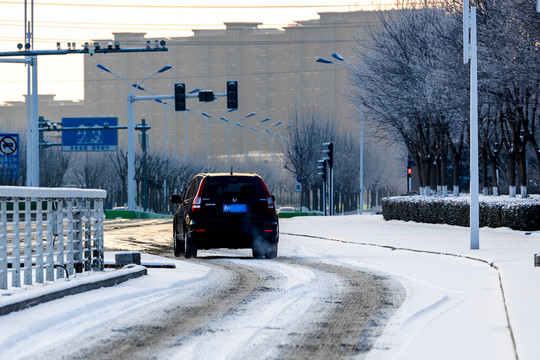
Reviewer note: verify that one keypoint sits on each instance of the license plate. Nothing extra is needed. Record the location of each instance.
(234, 208)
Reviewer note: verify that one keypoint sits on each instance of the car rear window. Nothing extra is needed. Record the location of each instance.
(232, 186)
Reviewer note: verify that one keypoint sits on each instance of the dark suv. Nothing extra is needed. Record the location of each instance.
(222, 210)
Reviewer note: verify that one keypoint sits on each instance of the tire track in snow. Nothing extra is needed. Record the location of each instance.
(167, 324)
(288, 308)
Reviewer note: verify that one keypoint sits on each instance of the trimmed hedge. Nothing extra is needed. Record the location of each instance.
(515, 213)
(130, 214)
(288, 215)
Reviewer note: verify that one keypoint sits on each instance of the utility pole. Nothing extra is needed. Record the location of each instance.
(31, 59)
(143, 128)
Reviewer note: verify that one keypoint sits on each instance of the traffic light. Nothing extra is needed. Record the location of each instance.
(206, 95)
(409, 172)
(322, 169)
(329, 151)
(180, 97)
(232, 94)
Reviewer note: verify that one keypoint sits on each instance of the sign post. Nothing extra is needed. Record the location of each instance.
(297, 183)
(9, 156)
(90, 134)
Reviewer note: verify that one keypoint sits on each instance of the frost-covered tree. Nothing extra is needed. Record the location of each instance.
(412, 80)
(409, 78)
(53, 166)
(304, 148)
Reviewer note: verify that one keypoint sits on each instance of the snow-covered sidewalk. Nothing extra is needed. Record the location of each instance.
(457, 299)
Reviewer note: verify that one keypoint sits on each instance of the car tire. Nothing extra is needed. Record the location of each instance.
(257, 250)
(271, 251)
(257, 254)
(178, 245)
(190, 248)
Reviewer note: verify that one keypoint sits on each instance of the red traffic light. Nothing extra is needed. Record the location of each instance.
(409, 171)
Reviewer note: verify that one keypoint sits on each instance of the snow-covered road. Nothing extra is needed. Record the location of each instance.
(223, 305)
(331, 293)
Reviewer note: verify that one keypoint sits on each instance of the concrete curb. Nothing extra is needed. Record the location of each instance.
(76, 289)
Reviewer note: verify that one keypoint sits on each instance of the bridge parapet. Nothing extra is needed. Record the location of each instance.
(49, 233)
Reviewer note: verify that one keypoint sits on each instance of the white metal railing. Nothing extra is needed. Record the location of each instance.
(43, 229)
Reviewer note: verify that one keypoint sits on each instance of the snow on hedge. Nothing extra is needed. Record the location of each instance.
(495, 211)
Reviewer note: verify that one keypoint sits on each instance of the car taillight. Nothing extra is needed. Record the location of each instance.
(270, 203)
(269, 200)
(196, 206)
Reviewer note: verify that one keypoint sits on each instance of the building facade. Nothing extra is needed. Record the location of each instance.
(275, 69)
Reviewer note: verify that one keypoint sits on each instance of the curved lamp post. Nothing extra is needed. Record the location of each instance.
(131, 130)
(259, 133)
(207, 121)
(228, 125)
(165, 109)
(186, 117)
(349, 66)
(239, 124)
(244, 135)
(272, 134)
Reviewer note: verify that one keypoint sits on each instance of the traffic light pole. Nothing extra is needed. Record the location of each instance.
(325, 192)
(331, 191)
(329, 151)
(323, 174)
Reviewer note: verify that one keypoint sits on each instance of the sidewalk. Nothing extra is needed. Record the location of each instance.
(15, 299)
(438, 257)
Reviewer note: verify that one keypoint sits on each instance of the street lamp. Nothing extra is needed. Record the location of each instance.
(349, 66)
(271, 139)
(259, 133)
(470, 55)
(131, 129)
(271, 134)
(228, 125)
(244, 131)
(165, 109)
(244, 135)
(239, 124)
(207, 118)
(186, 117)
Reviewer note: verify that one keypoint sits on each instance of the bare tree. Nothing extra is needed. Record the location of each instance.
(91, 170)
(304, 148)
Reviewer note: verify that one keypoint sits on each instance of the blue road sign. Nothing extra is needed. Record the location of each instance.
(9, 156)
(87, 138)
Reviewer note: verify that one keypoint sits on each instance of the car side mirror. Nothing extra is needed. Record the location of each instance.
(273, 199)
(176, 199)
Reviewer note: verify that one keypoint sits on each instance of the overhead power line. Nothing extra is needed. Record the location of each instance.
(140, 28)
(196, 6)
(171, 43)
